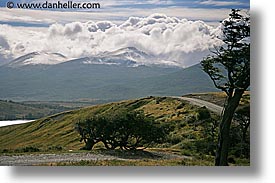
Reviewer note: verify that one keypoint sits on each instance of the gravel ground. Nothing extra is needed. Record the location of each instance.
(36, 159)
(23, 160)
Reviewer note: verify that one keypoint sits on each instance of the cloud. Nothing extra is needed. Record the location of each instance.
(221, 3)
(116, 15)
(5, 53)
(4, 45)
(171, 40)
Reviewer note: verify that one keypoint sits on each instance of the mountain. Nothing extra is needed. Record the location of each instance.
(38, 58)
(130, 53)
(129, 56)
(116, 75)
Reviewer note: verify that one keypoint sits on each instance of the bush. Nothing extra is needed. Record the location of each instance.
(181, 105)
(55, 148)
(174, 139)
(203, 113)
(186, 152)
(27, 149)
(6, 151)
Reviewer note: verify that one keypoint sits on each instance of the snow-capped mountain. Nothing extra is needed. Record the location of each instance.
(130, 53)
(129, 56)
(38, 58)
(139, 57)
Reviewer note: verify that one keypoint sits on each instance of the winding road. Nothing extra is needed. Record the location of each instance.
(212, 107)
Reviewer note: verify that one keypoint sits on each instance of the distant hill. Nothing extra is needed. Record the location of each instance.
(75, 80)
(10, 110)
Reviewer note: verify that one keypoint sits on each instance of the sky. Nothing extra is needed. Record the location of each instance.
(177, 30)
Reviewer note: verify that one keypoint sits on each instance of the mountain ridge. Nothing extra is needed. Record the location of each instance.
(129, 56)
(70, 80)
(112, 76)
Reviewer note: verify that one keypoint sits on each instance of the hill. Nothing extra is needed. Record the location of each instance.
(58, 130)
(192, 129)
(10, 110)
(76, 79)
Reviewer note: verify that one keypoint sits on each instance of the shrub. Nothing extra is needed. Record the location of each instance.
(55, 148)
(203, 113)
(27, 149)
(174, 139)
(181, 105)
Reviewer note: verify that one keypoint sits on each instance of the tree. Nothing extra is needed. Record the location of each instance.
(229, 69)
(124, 129)
(90, 130)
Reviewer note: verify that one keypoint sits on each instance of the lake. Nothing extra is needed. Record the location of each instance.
(13, 122)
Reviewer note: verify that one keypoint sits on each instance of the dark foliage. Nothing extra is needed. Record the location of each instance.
(124, 129)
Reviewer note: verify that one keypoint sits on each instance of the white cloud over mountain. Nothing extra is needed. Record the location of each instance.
(172, 40)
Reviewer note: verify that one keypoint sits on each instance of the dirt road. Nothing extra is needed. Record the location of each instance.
(212, 107)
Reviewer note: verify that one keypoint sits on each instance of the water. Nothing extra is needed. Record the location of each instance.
(13, 122)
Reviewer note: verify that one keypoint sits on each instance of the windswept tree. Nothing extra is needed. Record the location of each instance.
(229, 69)
(125, 129)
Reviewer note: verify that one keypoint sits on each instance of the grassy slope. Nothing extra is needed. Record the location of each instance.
(58, 130)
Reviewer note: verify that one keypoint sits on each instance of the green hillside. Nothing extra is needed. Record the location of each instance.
(191, 128)
(58, 130)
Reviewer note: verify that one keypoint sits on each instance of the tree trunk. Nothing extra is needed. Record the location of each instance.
(89, 144)
(224, 131)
